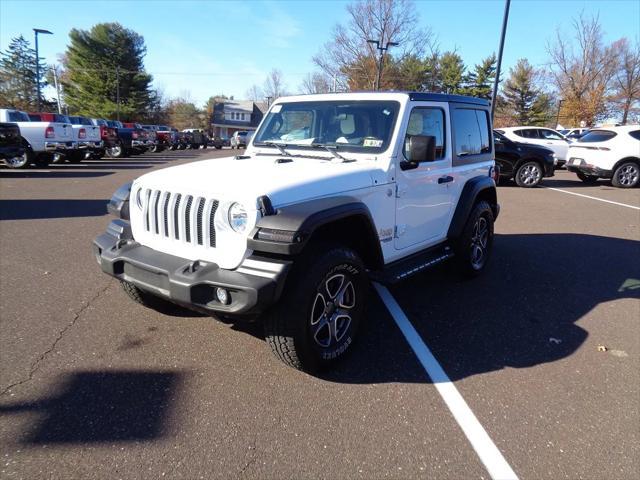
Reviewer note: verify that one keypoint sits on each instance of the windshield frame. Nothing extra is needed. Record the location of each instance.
(396, 111)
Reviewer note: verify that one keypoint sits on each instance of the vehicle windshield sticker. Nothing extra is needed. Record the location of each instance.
(276, 109)
(372, 142)
(386, 112)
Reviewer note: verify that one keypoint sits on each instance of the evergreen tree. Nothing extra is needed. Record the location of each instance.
(479, 83)
(523, 101)
(18, 84)
(102, 64)
(451, 73)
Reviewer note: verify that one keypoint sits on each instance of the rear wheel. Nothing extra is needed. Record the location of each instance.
(528, 174)
(317, 319)
(473, 248)
(21, 161)
(116, 151)
(626, 175)
(587, 178)
(76, 157)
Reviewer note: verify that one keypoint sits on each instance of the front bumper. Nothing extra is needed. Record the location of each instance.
(254, 286)
(56, 146)
(590, 170)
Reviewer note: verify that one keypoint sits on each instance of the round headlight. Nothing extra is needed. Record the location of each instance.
(237, 217)
(139, 198)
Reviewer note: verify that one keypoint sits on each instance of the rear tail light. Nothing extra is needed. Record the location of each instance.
(82, 133)
(134, 135)
(49, 133)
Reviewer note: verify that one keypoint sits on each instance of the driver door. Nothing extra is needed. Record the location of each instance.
(423, 194)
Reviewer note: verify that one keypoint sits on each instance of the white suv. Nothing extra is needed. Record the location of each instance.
(545, 137)
(611, 152)
(333, 190)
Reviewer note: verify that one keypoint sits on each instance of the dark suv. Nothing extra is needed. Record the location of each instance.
(525, 163)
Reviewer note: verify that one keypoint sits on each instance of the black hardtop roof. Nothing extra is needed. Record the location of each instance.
(445, 97)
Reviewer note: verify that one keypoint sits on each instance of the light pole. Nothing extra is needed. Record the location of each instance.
(378, 44)
(36, 32)
(505, 19)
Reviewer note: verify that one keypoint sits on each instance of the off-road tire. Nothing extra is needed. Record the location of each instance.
(627, 175)
(587, 178)
(145, 298)
(296, 328)
(467, 258)
(529, 174)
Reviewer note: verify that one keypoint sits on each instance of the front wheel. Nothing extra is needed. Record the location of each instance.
(626, 175)
(587, 178)
(528, 175)
(317, 319)
(473, 248)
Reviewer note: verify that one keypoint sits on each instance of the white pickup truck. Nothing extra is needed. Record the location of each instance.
(41, 140)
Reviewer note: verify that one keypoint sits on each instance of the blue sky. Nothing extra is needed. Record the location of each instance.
(208, 47)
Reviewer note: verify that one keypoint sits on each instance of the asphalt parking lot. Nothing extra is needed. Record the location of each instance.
(543, 349)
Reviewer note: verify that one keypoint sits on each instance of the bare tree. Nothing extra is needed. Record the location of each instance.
(254, 93)
(583, 75)
(353, 61)
(316, 82)
(274, 86)
(626, 82)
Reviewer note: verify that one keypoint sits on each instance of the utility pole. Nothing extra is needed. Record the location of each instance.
(36, 32)
(378, 44)
(558, 114)
(497, 80)
(269, 98)
(118, 93)
(55, 80)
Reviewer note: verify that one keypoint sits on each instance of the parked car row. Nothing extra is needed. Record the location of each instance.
(528, 154)
(45, 138)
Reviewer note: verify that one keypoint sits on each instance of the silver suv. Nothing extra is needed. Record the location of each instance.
(239, 139)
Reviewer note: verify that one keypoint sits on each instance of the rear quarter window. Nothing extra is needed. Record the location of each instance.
(471, 132)
(635, 134)
(597, 136)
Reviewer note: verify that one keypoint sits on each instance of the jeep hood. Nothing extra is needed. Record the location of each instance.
(245, 180)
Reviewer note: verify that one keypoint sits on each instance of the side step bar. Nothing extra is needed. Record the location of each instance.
(418, 262)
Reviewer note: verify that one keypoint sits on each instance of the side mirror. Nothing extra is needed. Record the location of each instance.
(419, 148)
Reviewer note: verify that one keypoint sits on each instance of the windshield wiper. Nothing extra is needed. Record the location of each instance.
(279, 146)
(333, 150)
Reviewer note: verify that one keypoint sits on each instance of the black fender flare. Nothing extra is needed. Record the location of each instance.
(296, 224)
(476, 187)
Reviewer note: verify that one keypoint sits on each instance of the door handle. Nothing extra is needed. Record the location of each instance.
(446, 179)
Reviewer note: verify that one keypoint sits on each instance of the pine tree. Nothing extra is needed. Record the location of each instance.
(479, 83)
(451, 73)
(523, 101)
(18, 84)
(102, 64)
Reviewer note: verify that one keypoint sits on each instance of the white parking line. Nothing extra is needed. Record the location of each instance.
(592, 198)
(486, 450)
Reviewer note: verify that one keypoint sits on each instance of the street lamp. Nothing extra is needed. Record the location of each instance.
(46, 32)
(378, 44)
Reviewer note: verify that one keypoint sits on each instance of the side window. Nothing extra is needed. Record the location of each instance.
(428, 121)
(550, 135)
(471, 132)
(635, 134)
(527, 133)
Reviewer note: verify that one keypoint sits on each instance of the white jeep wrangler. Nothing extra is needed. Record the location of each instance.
(333, 190)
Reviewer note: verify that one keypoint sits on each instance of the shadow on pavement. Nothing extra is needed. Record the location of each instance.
(104, 406)
(51, 208)
(520, 314)
(563, 183)
(53, 174)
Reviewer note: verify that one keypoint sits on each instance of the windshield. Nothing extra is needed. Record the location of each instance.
(358, 126)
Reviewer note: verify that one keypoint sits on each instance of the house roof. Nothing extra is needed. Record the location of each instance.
(238, 105)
